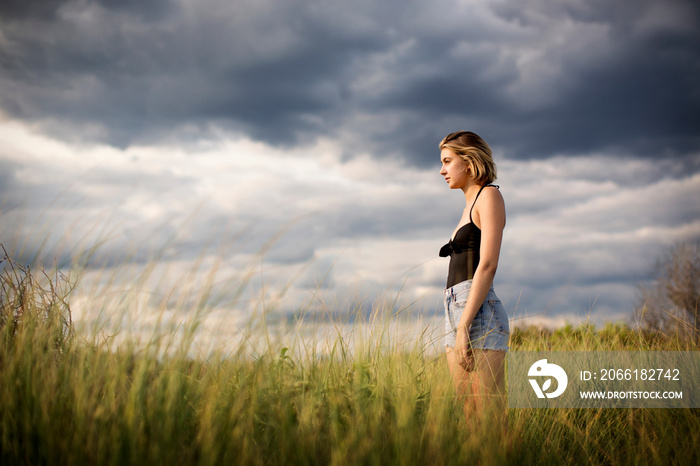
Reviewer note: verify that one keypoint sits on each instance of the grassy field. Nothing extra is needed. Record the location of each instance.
(65, 398)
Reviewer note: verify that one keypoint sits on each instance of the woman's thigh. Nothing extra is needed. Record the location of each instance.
(488, 373)
(490, 367)
(459, 375)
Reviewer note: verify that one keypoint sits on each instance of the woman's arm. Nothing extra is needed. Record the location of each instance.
(491, 213)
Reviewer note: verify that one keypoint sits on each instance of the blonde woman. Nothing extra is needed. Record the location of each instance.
(476, 326)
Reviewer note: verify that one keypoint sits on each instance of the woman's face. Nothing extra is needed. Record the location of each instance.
(453, 169)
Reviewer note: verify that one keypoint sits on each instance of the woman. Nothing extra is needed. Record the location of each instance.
(477, 324)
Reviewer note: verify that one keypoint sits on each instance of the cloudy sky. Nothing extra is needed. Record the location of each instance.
(292, 145)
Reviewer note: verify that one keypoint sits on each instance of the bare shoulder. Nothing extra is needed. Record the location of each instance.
(491, 206)
(492, 196)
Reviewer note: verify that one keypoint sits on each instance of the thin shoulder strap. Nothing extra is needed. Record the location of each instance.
(477, 197)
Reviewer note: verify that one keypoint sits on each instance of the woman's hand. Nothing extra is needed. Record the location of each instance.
(463, 348)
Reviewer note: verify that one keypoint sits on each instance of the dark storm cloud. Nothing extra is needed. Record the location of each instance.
(48, 9)
(27, 9)
(385, 77)
(273, 71)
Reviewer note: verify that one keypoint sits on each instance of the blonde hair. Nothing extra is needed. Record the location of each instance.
(474, 152)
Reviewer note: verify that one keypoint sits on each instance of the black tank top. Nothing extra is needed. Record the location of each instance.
(464, 249)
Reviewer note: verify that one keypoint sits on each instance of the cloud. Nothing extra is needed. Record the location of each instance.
(384, 78)
(292, 145)
(311, 229)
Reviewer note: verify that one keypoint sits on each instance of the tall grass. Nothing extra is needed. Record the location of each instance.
(65, 398)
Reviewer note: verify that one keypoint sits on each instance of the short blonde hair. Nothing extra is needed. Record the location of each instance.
(474, 152)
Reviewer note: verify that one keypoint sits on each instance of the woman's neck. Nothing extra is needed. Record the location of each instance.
(470, 190)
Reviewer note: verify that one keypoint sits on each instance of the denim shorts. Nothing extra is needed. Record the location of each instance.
(489, 330)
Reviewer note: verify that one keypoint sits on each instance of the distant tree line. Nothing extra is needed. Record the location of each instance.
(670, 303)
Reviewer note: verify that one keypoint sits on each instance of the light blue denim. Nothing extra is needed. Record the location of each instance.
(489, 330)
